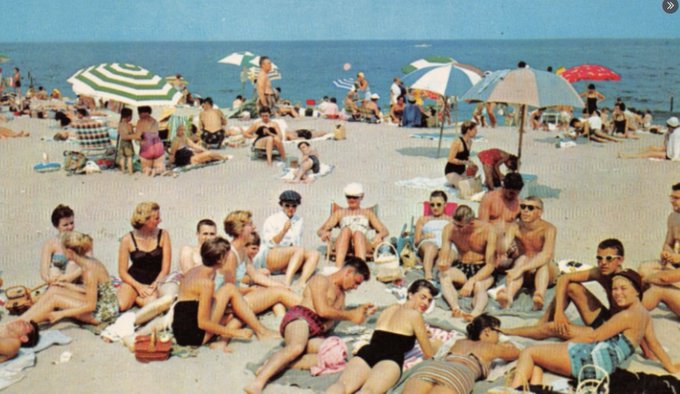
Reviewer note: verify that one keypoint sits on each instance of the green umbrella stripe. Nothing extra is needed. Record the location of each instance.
(141, 77)
(95, 77)
(131, 95)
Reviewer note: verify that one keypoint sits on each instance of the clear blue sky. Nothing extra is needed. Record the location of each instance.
(229, 20)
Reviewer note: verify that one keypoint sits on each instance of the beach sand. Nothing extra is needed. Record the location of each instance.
(595, 196)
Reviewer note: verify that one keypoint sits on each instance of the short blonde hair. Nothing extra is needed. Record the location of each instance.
(78, 242)
(235, 221)
(143, 212)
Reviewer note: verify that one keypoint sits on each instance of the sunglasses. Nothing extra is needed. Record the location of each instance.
(436, 204)
(286, 205)
(352, 197)
(529, 207)
(607, 258)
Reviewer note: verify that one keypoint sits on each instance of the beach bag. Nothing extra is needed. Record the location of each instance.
(21, 298)
(74, 162)
(469, 187)
(408, 256)
(339, 133)
(387, 262)
(150, 348)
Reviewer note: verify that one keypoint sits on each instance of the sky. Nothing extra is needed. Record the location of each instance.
(244, 20)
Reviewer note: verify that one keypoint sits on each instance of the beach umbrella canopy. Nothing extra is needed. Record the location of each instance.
(526, 87)
(590, 72)
(126, 83)
(344, 83)
(447, 79)
(426, 62)
(243, 59)
(173, 80)
(4, 58)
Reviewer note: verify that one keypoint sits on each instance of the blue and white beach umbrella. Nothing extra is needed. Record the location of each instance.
(525, 87)
(448, 79)
(344, 83)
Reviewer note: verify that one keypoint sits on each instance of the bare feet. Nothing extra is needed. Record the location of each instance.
(502, 298)
(253, 388)
(457, 312)
(222, 344)
(268, 334)
(538, 301)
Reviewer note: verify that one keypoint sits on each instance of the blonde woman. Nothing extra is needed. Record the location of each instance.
(148, 248)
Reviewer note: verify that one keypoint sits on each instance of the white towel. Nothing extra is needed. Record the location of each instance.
(324, 169)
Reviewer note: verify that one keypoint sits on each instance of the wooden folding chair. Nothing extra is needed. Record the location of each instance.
(330, 244)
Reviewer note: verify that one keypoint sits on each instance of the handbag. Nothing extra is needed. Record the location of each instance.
(388, 269)
(339, 133)
(408, 256)
(150, 348)
(21, 298)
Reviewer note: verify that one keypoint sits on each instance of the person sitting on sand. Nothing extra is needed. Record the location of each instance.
(607, 346)
(308, 162)
(282, 235)
(378, 365)
(184, 151)
(595, 128)
(500, 207)
(372, 109)
(126, 132)
(467, 361)
(323, 303)
(491, 160)
(459, 154)
(351, 107)
(148, 248)
(284, 107)
(9, 133)
(197, 314)
(151, 151)
(190, 255)
(620, 122)
(54, 266)
(94, 302)
(354, 223)
(267, 135)
(428, 232)
(570, 288)
(17, 334)
(211, 121)
(414, 115)
(536, 120)
(670, 149)
(397, 110)
(535, 238)
(664, 276)
(472, 269)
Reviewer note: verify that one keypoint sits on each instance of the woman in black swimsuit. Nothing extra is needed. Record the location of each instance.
(459, 154)
(377, 366)
(592, 97)
(148, 248)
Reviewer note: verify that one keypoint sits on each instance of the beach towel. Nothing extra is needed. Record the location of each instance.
(437, 183)
(288, 174)
(178, 170)
(10, 370)
(325, 137)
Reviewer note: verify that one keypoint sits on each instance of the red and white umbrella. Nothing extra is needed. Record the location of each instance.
(590, 72)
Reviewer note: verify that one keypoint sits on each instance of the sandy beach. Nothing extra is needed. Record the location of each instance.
(589, 195)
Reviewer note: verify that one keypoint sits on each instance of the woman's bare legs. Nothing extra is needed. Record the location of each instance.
(206, 157)
(429, 251)
(305, 166)
(353, 377)
(554, 358)
(342, 246)
(361, 245)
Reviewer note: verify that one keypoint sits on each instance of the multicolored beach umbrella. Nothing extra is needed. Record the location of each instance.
(427, 62)
(526, 87)
(126, 83)
(590, 72)
(447, 79)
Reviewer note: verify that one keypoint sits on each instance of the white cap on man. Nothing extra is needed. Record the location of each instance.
(673, 122)
(375, 96)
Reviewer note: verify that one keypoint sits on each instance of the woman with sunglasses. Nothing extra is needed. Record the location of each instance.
(355, 223)
(467, 361)
(605, 347)
(428, 233)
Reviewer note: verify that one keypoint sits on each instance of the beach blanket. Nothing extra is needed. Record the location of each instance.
(288, 174)
(325, 137)
(11, 370)
(436, 184)
(178, 170)
(445, 137)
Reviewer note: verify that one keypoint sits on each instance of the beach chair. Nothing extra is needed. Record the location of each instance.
(261, 153)
(335, 232)
(94, 142)
(424, 209)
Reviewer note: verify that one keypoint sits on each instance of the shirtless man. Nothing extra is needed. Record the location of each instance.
(569, 287)
(500, 207)
(373, 109)
(190, 256)
(664, 276)
(536, 240)
(266, 97)
(322, 304)
(16, 334)
(473, 269)
(211, 122)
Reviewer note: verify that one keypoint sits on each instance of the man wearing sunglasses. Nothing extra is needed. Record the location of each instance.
(554, 322)
(474, 267)
(664, 276)
(536, 239)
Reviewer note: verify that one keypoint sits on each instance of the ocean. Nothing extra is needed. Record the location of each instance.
(649, 77)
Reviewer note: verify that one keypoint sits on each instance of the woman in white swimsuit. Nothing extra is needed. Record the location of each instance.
(428, 233)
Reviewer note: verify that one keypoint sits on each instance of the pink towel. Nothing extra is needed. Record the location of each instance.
(331, 358)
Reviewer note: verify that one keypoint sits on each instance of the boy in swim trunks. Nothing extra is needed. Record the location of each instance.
(323, 303)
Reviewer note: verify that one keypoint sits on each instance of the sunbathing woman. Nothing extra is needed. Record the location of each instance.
(54, 266)
(305, 134)
(267, 135)
(9, 133)
(354, 223)
(459, 154)
(670, 150)
(378, 366)
(607, 346)
(309, 162)
(149, 249)
(184, 151)
(620, 122)
(94, 302)
(428, 233)
(467, 361)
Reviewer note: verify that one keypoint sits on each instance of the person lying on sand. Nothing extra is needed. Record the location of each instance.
(472, 269)
(305, 134)
(323, 303)
(184, 151)
(670, 149)
(9, 133)
(17, 334)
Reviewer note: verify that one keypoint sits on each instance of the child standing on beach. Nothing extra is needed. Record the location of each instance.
(310, 161)
(126, 133)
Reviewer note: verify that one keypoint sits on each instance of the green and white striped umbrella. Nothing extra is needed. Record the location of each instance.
(4, 58)
(429, 61)
(126, 83)
(243, 59)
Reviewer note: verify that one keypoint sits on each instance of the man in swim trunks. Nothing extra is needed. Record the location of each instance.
(322, 304)
(474, 267)
(266, 96)
(535, 238)
(491, 164)
(500, 207)
(664, 275)
(211, 122)
(554, 323)
(17, 334)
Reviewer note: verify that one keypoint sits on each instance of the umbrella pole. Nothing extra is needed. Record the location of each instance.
(522, 114)
(441, 127)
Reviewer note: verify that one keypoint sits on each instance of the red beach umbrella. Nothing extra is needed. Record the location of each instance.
(590, 72)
